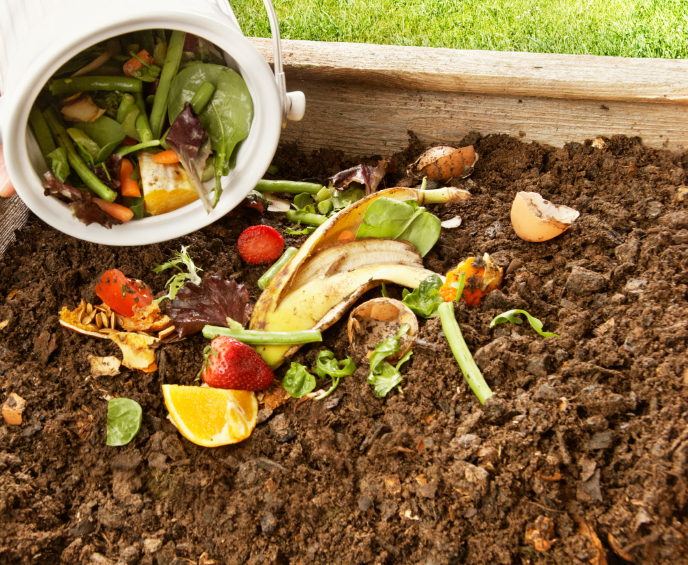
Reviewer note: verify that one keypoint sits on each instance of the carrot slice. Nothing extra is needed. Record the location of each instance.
(117, 211)
(346, 235)
(165, 157)
(130, 187)
(133, 64)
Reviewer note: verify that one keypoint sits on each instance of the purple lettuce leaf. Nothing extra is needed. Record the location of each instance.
(80, 202)
(109, 172)
(364, 174)
(210, 303)
(191, 143)
(257, 201)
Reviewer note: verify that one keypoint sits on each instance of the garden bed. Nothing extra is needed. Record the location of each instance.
(586, 432)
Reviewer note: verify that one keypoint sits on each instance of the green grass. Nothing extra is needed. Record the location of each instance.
(630, 28)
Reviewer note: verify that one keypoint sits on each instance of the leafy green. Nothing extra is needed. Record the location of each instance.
(303, 201)
(298, 381)
(512, 316)
(87, 148)
(227, 118)
(59, 164)
(326, 365)
(123, 421)
(177, 281)
(106, 132)
(147, 72)
(388, 218)
(305, 231)
(425, 299)
(384, 376)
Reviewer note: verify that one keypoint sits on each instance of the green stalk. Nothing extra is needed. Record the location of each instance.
(254, 337)
(445, 195)
(85, 174)
(459, 289)
(142, 125)
(202, 97)
(42, 132)
(305, 218)
(84, 84)
(294, 187)
(169, 70)
(463, 356)
(276, 267)
(123, 150)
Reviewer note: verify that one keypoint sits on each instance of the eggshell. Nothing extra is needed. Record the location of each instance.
(536, 219)
(444, 162)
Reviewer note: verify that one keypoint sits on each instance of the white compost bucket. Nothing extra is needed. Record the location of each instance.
(38, 36)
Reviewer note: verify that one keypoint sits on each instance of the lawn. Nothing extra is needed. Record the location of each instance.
(636, 28)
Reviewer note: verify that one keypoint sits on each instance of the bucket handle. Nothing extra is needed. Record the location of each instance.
(293, 104)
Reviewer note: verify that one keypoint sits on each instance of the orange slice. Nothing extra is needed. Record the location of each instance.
(211, 416)
(165, 187)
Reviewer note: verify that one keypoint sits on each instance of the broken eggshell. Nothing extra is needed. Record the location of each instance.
(444, 163)
(536, 219)
(378, 319)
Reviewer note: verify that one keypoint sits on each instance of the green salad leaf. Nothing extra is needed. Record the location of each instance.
(178, 280)
(425, 299)
(512, 316)
(123, 421)
(326, 364)
(106, 132)
(393, 219)
(59, 164)
(383, 375)
(298, 381)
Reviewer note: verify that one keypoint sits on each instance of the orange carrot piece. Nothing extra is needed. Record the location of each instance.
(125, 170)
(165, 157)
(133, 64)
(117, 211)
(130, 188)
(346, 235)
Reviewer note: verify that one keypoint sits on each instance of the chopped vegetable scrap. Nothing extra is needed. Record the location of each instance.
(260, 244)
(123, 294)
(367, 175)
(211, 416)
(234, 365)
(210, 303)
(137, 350)
(326, 365)
(482, 277)
(177, 281)
(124, 417)
(512, 316)
(425, 299)
(384, 376)
(298, 381)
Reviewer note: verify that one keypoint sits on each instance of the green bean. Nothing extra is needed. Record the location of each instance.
(84, 84)
(87, 175)
(265, 185)
(42, 132)
(202, 96)
(126, 149)
(256, 337)
(142, 125)
(125, 106)
(169, 70)
(276, 267)
(305, 218)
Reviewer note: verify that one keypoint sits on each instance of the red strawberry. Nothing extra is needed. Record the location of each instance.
(260, 244)
(232, 364)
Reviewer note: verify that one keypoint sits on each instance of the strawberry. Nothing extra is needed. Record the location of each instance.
(260, 244)
(234, 365)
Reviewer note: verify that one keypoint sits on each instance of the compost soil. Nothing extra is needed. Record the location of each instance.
(579, 457)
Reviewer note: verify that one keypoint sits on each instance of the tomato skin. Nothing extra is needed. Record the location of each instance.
(122, 293)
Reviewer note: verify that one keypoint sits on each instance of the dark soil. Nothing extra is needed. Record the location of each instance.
(587, 430)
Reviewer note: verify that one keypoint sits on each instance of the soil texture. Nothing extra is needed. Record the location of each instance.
(579, 457)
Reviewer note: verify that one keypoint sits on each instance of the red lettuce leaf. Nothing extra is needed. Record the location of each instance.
(80, 202)
(257, 201)
(210, 303)
(109, 172)
(364, 174)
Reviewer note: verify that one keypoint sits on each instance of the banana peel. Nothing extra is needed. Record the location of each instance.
(321, 301)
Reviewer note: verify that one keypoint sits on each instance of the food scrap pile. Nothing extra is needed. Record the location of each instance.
(377, 449)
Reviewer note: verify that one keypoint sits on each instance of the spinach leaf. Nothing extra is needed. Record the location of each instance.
(301, 201)
(298, 381)
(227, 118)
(512, 316)
(384, 376)
(123, 421)
(59, 164)
(425, 299)
(106, 132)
(388, 218)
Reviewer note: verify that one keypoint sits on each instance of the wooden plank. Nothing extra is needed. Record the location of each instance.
(363, 99)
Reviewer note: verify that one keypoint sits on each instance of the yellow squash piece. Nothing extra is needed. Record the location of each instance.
(211, 416)
(165, 187)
